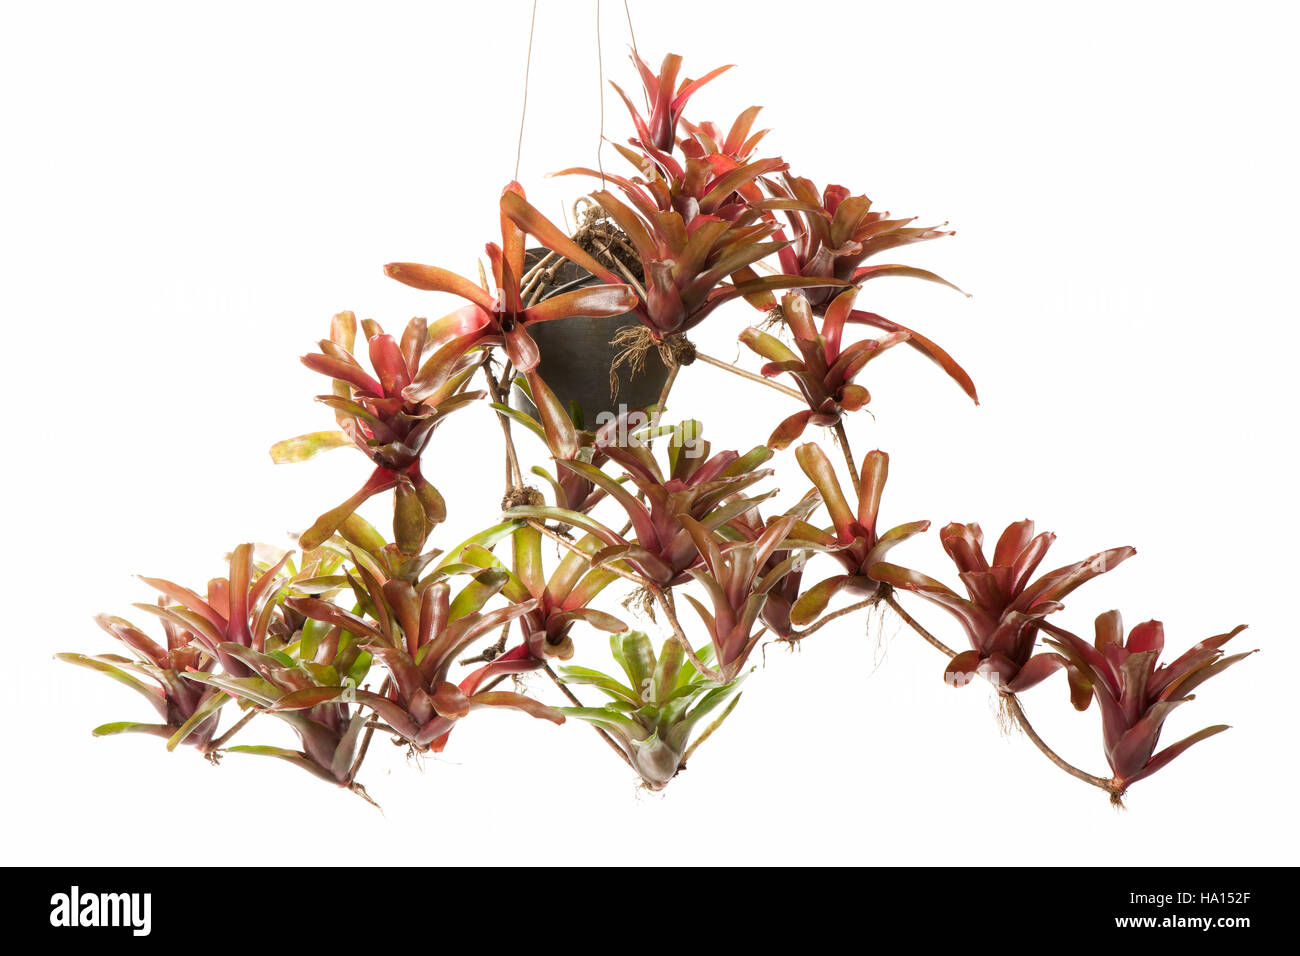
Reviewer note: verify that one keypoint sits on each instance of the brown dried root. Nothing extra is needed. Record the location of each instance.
(1002, 714)
(527, 496)
(634, 343)
(773, 320)
(604, 241)
(680, 350)
(642, 600)
(360, 791)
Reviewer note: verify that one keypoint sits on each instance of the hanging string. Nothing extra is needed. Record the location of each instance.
(631, 32)
(600, 70)
(523, 113)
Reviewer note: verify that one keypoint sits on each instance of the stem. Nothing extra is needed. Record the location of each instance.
(225, 738)
(564, 689)
(914, 625)
(514, 477)
(492, 652)
(665, 602)
(728, 367)
(365, 741)
(1018, 714)
(493, 683)
(827, 618)
(663, 396)
(843, 437)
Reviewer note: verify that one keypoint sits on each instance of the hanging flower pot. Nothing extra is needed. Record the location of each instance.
(581, 355)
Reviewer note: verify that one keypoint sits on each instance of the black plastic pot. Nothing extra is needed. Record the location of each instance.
(576, 355)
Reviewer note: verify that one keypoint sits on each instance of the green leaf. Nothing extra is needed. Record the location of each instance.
(565, 516)
(813, 602)
(611, 720)
(477, 593)
(313, 632)
(585, 675)
(408, 519)
(201, 713)
(768, 346)
(486, 538)
(681, 732)
(307, 446)
(528, 565)
(667, 669)
(708, 731)
(360, 533)
(360, 667)
(128, 727)
(521, 419)
(635, 654)
(154, 694)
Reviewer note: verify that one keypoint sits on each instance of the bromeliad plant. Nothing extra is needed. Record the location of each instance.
(852, 539)
(377, 417)
(832, 234)
(1135, 694)
(653, 716)
(419, 632)
(188, 710)
(1006, 605)
(662, 549)
(824, 370)
(359, 633)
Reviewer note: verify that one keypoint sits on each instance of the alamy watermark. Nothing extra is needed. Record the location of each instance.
(632, 428)
(75, 908)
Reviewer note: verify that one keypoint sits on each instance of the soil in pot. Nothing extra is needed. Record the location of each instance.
(577, 354)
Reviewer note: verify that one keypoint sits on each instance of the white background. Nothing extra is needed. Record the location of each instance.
(191, 191)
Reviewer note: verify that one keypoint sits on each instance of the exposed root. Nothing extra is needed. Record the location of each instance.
(360, 791)
(521, 682)
(680, 350)
(873, 629)
(1002, 714)
(525, 496)
(1117, 799)
(643, 788)
(791, 643)
(601, 238)
(633, 342)
(642, 601)
(774, 321)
